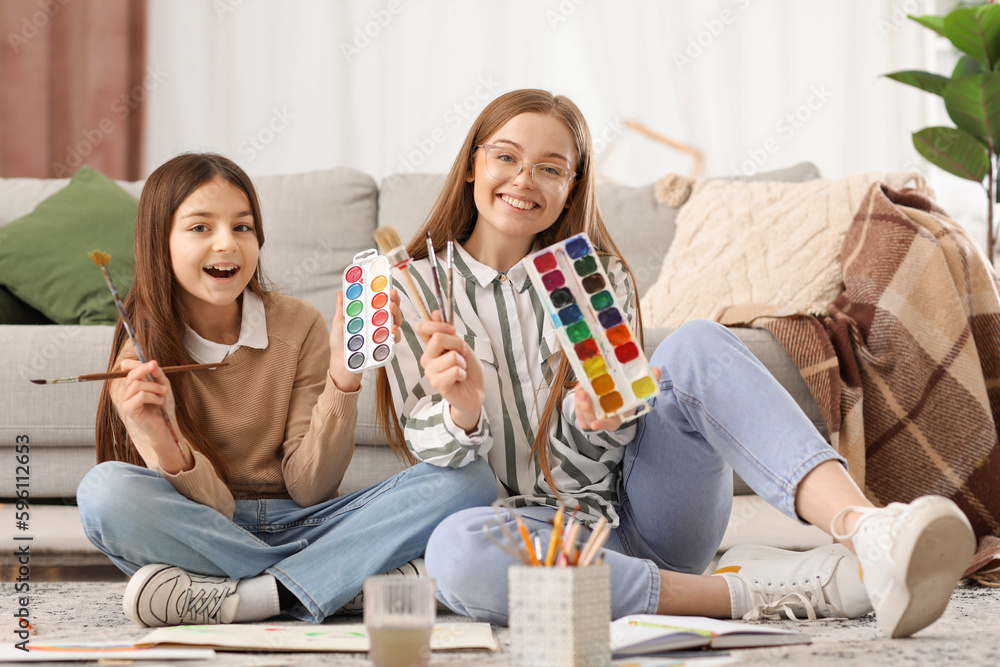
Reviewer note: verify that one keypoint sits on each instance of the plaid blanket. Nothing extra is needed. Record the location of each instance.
(906, 366)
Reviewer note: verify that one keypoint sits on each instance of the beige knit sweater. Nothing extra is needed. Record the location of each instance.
(282, 426)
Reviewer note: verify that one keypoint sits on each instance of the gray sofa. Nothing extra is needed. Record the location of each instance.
(314, 224)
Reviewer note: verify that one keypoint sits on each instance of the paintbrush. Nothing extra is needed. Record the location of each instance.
(101, 259)
(392, 246)
(90, 377)
(432, 256)
(451, 284)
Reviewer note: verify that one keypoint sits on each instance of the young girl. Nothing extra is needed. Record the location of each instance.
(493, 384)
(242, 520)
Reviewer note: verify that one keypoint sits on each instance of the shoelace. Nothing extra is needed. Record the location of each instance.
(810, 597)
(771, 611)
(202, 607)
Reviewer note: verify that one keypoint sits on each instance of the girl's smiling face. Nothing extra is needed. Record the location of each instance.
(517, 208)
(213, 250)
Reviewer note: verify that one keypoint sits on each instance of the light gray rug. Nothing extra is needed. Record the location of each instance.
(967, 634)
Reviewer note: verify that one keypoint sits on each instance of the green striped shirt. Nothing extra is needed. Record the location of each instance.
(503, 320)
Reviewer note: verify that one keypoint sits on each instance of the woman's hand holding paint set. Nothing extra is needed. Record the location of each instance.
(595, 336)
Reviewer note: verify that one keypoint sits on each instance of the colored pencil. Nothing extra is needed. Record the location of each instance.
(526, 538)
(554, 540)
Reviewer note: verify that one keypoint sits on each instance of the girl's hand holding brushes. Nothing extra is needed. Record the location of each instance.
(141, 402)
(453, 370)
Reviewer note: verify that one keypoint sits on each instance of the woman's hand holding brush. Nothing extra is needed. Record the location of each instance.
(141, 402)
(453, 370)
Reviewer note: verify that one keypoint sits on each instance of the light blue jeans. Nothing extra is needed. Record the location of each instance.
(718, 409)
(321, 554)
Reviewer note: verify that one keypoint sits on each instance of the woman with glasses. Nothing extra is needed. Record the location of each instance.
(491, 382)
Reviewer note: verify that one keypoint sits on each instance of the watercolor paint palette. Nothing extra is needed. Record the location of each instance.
(592, 328)
(368, 341)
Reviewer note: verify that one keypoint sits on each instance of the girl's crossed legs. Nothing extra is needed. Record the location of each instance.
(321, 554)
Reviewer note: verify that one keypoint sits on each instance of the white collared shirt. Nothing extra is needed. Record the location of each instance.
(253, 333)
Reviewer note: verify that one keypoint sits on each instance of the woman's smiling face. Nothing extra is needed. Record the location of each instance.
(522, 206)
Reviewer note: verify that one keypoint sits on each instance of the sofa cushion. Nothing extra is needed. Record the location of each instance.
(15, 311)
(764, 243)
(43, 255)
(314, 224)
(405, 200)
(643, 228)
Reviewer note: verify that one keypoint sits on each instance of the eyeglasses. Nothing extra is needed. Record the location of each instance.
(505, 164)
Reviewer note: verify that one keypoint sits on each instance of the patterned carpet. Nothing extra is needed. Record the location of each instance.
(968, 633)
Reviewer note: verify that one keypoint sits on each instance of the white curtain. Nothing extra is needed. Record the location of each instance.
(393, 85)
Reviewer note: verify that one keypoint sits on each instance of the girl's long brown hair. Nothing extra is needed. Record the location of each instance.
(454, 216)
(153, 302)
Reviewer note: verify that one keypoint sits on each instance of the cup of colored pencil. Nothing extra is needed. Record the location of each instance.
(569, 544)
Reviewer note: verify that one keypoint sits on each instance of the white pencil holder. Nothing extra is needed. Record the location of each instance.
(560, 616)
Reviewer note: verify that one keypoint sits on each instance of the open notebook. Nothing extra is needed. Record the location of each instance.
(643, 634)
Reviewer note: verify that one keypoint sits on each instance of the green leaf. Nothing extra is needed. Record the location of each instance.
(932, 83)
(976, 31)
(973, 102)
(954, 150)
(935, 23)
(967, 65)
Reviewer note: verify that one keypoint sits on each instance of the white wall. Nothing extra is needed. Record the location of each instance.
(393, 85)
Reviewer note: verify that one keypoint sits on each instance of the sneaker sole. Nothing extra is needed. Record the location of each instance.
(946, 545)
(142, 577)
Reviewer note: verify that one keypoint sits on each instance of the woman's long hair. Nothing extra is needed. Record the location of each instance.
(153, 302)
(454, 216)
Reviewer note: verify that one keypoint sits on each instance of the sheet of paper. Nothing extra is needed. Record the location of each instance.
(348, 638)
(91, 651)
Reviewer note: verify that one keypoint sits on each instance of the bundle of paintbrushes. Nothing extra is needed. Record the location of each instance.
(392, 246)
(564, 548)
(101, 259)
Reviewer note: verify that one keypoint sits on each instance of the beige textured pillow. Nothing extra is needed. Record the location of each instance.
(759, 243)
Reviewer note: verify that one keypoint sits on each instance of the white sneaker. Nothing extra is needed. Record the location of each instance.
(824, 582)
(911, 555)
(356, 607)
(159, 595)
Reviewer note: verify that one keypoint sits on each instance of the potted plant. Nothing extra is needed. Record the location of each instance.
(972, 99)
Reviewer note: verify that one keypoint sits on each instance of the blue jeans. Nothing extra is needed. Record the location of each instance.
(718, 409)
(321, 554)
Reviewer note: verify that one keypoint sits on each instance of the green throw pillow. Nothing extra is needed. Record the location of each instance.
(15, 311)
(43, 255)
